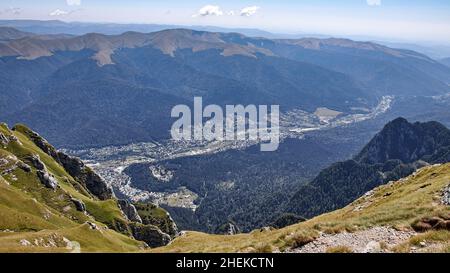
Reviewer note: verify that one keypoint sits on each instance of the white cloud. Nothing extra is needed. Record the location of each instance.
(73, 2)
(374, 2)
(58, 12)
(15, 11)
(249, 11)
(209, 10)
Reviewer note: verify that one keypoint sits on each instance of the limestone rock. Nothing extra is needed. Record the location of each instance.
(84, 175)
(150, 234)
(446, 196)
(3, 140)
(47, 179)
(373, 247)
(24, 242)
(79, 205)
(35, 160)
(129, 211)
(92, 225)
(74, 166)
(23, 166)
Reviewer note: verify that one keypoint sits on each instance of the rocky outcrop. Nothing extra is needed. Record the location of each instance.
(74, 166)
(129, 210)
(47, 179)
(229, 228)
(152, 214)
(84, 175)
(37, 140)
(23, 166)
(79, 204)
(3, 140)
(6, 139)
(92, 225)
(150, 234)
(446, 196)
(35, 160)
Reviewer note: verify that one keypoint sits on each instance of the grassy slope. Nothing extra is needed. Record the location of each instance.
(396, 204)
(34, 212)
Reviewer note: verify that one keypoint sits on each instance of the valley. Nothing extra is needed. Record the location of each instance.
(110, 162)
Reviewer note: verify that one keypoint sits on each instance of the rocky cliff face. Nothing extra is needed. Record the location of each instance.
(150, 234)
(129, 211)
(151, 214)
(74, 166)
(83, 174)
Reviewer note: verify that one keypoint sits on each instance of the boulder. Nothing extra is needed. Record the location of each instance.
(92, 225)
(372, 247)
(24, 242)
(47, 179)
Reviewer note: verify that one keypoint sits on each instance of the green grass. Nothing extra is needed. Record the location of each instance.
(339, 249)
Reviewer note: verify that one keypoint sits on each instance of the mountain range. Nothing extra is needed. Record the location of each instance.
(93, 79)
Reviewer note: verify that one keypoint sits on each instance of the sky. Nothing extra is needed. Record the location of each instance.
(400, 20)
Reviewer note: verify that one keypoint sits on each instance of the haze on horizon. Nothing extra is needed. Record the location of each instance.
(397, 20)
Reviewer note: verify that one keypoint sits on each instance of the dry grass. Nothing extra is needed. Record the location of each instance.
(339, 249)
(406, 202)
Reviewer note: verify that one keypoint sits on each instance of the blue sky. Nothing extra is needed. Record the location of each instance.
(408, 20)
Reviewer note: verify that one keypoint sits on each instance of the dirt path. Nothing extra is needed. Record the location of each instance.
(374, 240)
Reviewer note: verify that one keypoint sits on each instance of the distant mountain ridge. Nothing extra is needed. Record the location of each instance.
(168, 41)
(74, 77)
(397, 151)
(9, 33)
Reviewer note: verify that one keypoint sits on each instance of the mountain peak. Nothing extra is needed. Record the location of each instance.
(168, 41)
(408, 142)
